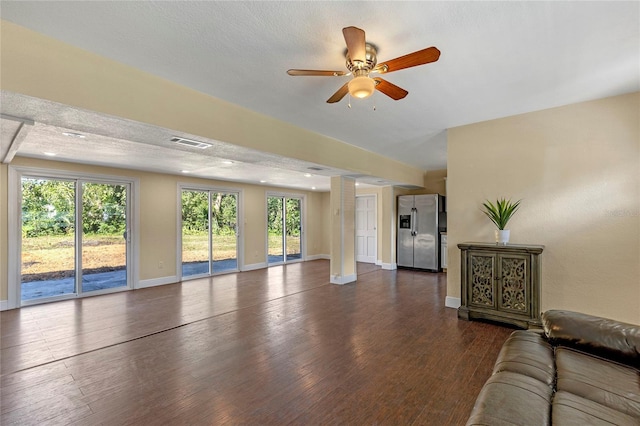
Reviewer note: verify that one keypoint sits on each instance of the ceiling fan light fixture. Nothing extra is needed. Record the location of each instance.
(361, 87)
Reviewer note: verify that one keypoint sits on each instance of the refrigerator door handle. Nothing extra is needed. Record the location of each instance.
(414, 217)
(415, 222)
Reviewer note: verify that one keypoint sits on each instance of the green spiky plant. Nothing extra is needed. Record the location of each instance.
(501, 212)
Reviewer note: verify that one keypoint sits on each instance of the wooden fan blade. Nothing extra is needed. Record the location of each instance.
(339, 94)
(390, 89)
(421, 57)
(356, 45)
(316, 72)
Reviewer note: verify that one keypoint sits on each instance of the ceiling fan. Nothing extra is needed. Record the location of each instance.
(362, 61)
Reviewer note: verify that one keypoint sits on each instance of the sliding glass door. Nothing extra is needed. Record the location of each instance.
(293, 229)
(196, 244)
(284, 229)
(104, 236)
(48, 243)
(74, 237)
(209, 232)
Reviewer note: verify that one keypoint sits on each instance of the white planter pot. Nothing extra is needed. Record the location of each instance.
(502, 236)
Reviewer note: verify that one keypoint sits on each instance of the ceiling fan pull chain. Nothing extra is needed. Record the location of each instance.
(349, 104)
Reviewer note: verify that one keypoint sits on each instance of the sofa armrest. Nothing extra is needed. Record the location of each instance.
(596, 335)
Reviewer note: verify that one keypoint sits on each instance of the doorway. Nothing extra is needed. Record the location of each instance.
(209, 229)
(75, 237)
(366, 229)
(284, 229)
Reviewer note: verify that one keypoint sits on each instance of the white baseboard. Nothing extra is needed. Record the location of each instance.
(319, 256)
(379, 263)
(337, 279)
(390, 266)
(452, 302)
(4, 305)
(254, 266)
(158, 281)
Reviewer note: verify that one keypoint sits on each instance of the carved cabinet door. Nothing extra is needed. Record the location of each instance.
(482, 280)
(499, 281)
(514, 283)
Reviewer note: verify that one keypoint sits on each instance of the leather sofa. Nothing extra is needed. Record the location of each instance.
(579, 370)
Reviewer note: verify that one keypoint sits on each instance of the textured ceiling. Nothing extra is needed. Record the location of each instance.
(498, 58)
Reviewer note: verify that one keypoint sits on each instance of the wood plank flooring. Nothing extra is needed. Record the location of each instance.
(273, 346)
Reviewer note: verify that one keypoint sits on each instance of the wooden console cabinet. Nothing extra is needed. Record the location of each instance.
(501, 283)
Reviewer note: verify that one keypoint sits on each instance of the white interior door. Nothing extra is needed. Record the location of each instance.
(366, 233)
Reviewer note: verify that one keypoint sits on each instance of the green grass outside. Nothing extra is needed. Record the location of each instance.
(46, 254)
(195, 247)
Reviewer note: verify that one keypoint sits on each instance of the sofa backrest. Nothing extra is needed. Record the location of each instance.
(596, 335)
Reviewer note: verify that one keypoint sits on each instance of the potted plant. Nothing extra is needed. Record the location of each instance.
(500, 213)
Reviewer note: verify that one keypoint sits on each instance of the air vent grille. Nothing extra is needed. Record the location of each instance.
(190, 143)
(315, 169)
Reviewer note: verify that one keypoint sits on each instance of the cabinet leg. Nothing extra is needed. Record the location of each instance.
(463, 313)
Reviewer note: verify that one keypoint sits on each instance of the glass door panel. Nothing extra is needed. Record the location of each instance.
(275, 225)
(284, 231)
(293, 229)
(196, 241)
(104, 236)
(48, 238)
(224, 235)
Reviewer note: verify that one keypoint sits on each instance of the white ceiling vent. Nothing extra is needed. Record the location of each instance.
(190, 143)
(316, 169)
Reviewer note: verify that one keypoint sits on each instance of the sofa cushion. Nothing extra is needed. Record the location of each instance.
(610, 384)
(527, 352)
(572, 410)
(600, 336)
(510, 398)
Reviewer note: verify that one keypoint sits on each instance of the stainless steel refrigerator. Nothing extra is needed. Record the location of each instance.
(421, 218)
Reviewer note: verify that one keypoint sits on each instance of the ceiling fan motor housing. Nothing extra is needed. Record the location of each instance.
(371, 59)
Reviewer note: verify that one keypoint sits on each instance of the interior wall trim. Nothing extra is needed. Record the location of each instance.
(153, 282)
(344, 279)
(452, 302)
(254, 266)
(319, 256)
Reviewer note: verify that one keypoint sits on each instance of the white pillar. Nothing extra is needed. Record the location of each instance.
(343, 230)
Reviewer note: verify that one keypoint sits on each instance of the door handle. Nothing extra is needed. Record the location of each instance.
(415, 222)
(414, 217)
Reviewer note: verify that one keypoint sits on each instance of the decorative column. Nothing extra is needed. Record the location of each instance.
(388, 233)
(343, 230)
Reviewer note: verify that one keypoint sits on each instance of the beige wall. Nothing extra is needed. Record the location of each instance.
(158, 217)
(255, 222)
(326, 224)
(158, 220)
(388, 234)
(315, 230)
(435, 183)
(577, 170)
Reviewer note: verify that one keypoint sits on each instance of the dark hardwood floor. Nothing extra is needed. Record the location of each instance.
(272, 346)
